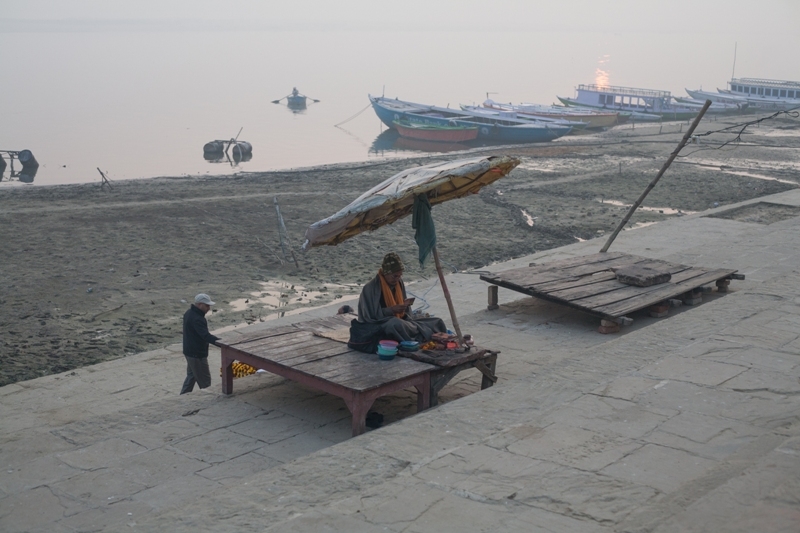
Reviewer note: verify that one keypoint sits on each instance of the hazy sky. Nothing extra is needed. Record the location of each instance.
(711, 17)
(150, 81)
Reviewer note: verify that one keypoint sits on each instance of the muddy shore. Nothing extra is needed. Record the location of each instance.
(91, 274)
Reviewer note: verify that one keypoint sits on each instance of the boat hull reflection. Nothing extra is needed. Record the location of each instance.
(390, 140)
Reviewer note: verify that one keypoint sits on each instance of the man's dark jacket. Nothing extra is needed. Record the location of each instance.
(196, 337)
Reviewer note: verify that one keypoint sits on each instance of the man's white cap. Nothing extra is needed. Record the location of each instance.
(203, 299)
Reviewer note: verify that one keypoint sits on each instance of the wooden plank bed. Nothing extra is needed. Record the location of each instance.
(327, 365)
(449, 363)
(588, 283)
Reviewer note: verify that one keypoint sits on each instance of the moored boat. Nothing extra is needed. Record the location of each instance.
(638, 104)
(717, 97)
(498, 113)
(756, 92)
(505, 130)
(718, 107)
(436, 132)
(593, 119)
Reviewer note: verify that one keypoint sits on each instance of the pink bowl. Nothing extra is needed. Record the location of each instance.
(388, 344)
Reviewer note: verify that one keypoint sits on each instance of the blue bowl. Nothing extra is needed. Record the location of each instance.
(388, 352)
(385, 357)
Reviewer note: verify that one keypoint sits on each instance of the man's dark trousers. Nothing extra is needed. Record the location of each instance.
(196, 372)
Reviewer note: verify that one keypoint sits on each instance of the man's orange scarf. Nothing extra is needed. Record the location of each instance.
(388, 297)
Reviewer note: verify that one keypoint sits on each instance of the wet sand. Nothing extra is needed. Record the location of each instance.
(91, 274)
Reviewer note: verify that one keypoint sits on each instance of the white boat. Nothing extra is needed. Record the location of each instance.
(765, 94)
(717, 97)
(593, 118)
(638, 104)
(716, 107)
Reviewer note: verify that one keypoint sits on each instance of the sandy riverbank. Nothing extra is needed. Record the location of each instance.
(91, 274)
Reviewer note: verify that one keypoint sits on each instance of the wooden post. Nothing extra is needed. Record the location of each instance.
(105, 181)
(447, 297)
(664, 168)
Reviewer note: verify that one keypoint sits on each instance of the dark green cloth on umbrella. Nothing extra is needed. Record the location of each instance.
(422, 222)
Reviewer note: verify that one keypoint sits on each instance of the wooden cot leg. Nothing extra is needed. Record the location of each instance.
(492, 298)
(359, 405)
(424, 393)
(439, 380)
(227, 372)
(491, 365)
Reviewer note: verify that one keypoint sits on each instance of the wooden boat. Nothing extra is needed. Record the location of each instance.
(296, 100)
(593, 119)
(499, 113)
(496, 129)
(436, 132)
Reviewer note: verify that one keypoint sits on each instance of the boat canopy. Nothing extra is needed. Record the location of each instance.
(775, 89)
(627, 91)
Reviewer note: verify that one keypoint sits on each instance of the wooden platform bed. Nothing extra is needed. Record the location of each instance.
(589, 283)
(301, 353)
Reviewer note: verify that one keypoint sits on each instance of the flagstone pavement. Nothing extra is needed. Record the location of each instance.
(684, 423)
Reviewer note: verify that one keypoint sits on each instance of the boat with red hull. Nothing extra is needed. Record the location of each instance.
(436, 132)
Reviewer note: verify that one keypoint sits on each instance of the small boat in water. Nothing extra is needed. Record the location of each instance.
(436, 132)
(296, 100)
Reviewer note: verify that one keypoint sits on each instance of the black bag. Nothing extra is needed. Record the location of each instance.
(364, 337)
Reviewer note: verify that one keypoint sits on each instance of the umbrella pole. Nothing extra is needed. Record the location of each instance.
(447, 297)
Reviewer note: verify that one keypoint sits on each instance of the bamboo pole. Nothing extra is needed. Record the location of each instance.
(664, 168)
(446, 292)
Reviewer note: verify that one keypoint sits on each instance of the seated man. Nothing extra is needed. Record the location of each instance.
(383, 311)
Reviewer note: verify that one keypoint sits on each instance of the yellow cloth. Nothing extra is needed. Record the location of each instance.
(391, 299)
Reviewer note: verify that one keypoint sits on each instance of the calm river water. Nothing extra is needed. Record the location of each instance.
(140, 104)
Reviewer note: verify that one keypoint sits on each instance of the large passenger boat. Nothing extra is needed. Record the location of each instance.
(760, 93)
(637, 104)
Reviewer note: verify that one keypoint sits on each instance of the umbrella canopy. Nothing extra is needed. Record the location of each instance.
(394, 198)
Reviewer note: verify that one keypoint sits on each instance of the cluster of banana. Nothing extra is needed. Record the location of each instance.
(240, 370)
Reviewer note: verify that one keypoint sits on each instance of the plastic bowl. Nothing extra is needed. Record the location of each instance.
(388, 344)
(382, 350)
(384, 357)
(409, 346)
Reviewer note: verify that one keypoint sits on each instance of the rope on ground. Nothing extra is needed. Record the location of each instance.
(425, 304)
(742, 126)
(354, 116)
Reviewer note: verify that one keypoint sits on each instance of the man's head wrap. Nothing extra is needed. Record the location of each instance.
(392, 263)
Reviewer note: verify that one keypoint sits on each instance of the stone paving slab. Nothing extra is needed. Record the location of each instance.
(681, 424)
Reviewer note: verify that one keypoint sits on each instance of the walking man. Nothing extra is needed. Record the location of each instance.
(196, 339)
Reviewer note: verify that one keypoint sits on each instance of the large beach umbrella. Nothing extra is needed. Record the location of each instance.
(396, 198)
